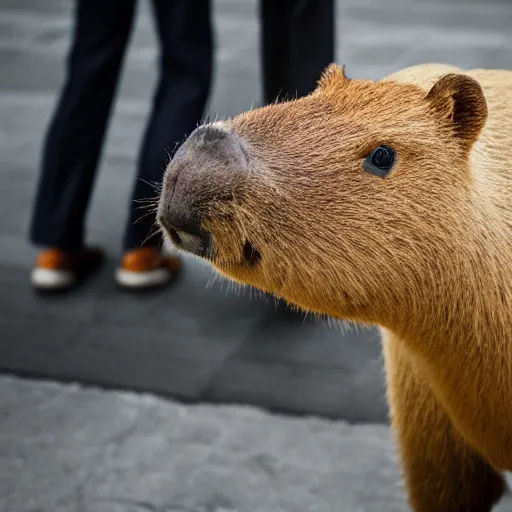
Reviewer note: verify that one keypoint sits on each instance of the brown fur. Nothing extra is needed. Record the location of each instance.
(425, 253)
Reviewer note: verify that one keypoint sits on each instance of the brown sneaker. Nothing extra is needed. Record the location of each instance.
(146, 268)
(58, 270)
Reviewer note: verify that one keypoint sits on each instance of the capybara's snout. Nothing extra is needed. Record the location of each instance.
(199, 183)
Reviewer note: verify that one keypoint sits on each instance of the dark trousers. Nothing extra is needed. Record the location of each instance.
(76, 133)
(297, 43)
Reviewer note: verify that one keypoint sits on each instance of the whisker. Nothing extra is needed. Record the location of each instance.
(153, 185)
(147, 204)
(152, 200)
(150, 209)
(142, 217)
(152, 232)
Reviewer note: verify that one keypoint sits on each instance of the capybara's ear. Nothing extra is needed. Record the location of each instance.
(332, 77)
(460, 102)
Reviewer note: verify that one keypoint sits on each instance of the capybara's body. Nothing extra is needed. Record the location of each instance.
(387, 203)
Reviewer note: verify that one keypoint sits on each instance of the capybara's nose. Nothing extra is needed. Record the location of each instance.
(203, 174)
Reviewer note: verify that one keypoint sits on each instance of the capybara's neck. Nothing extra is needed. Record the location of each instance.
(461, 340)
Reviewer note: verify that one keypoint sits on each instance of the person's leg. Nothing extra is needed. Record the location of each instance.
(275, 48)
(75, 135)
(312, 43)
(186, 46)
(297, 43)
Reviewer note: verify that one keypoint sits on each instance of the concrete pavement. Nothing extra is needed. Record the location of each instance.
(68, 449)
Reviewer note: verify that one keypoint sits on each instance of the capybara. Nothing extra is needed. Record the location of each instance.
(385, 203)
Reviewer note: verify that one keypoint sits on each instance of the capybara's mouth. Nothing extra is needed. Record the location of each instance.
(248, 257)
(203, 245)
(198, 244)
(250, 254)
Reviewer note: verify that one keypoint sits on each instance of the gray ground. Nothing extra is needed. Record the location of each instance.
(119, 452)
(67, 449)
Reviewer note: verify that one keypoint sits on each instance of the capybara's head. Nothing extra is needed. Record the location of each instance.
(340, 201)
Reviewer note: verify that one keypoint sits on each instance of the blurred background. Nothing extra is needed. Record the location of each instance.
(99, 392)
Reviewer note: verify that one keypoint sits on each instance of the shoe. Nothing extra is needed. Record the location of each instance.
(146, 268)
(58, 270)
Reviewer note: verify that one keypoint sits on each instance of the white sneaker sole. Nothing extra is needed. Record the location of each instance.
(46, 279)
(139, 280)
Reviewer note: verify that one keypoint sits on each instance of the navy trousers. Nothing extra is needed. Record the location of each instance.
(76, 133)
(297, 43)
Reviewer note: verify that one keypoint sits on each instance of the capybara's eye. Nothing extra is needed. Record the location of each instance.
(381, 161)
